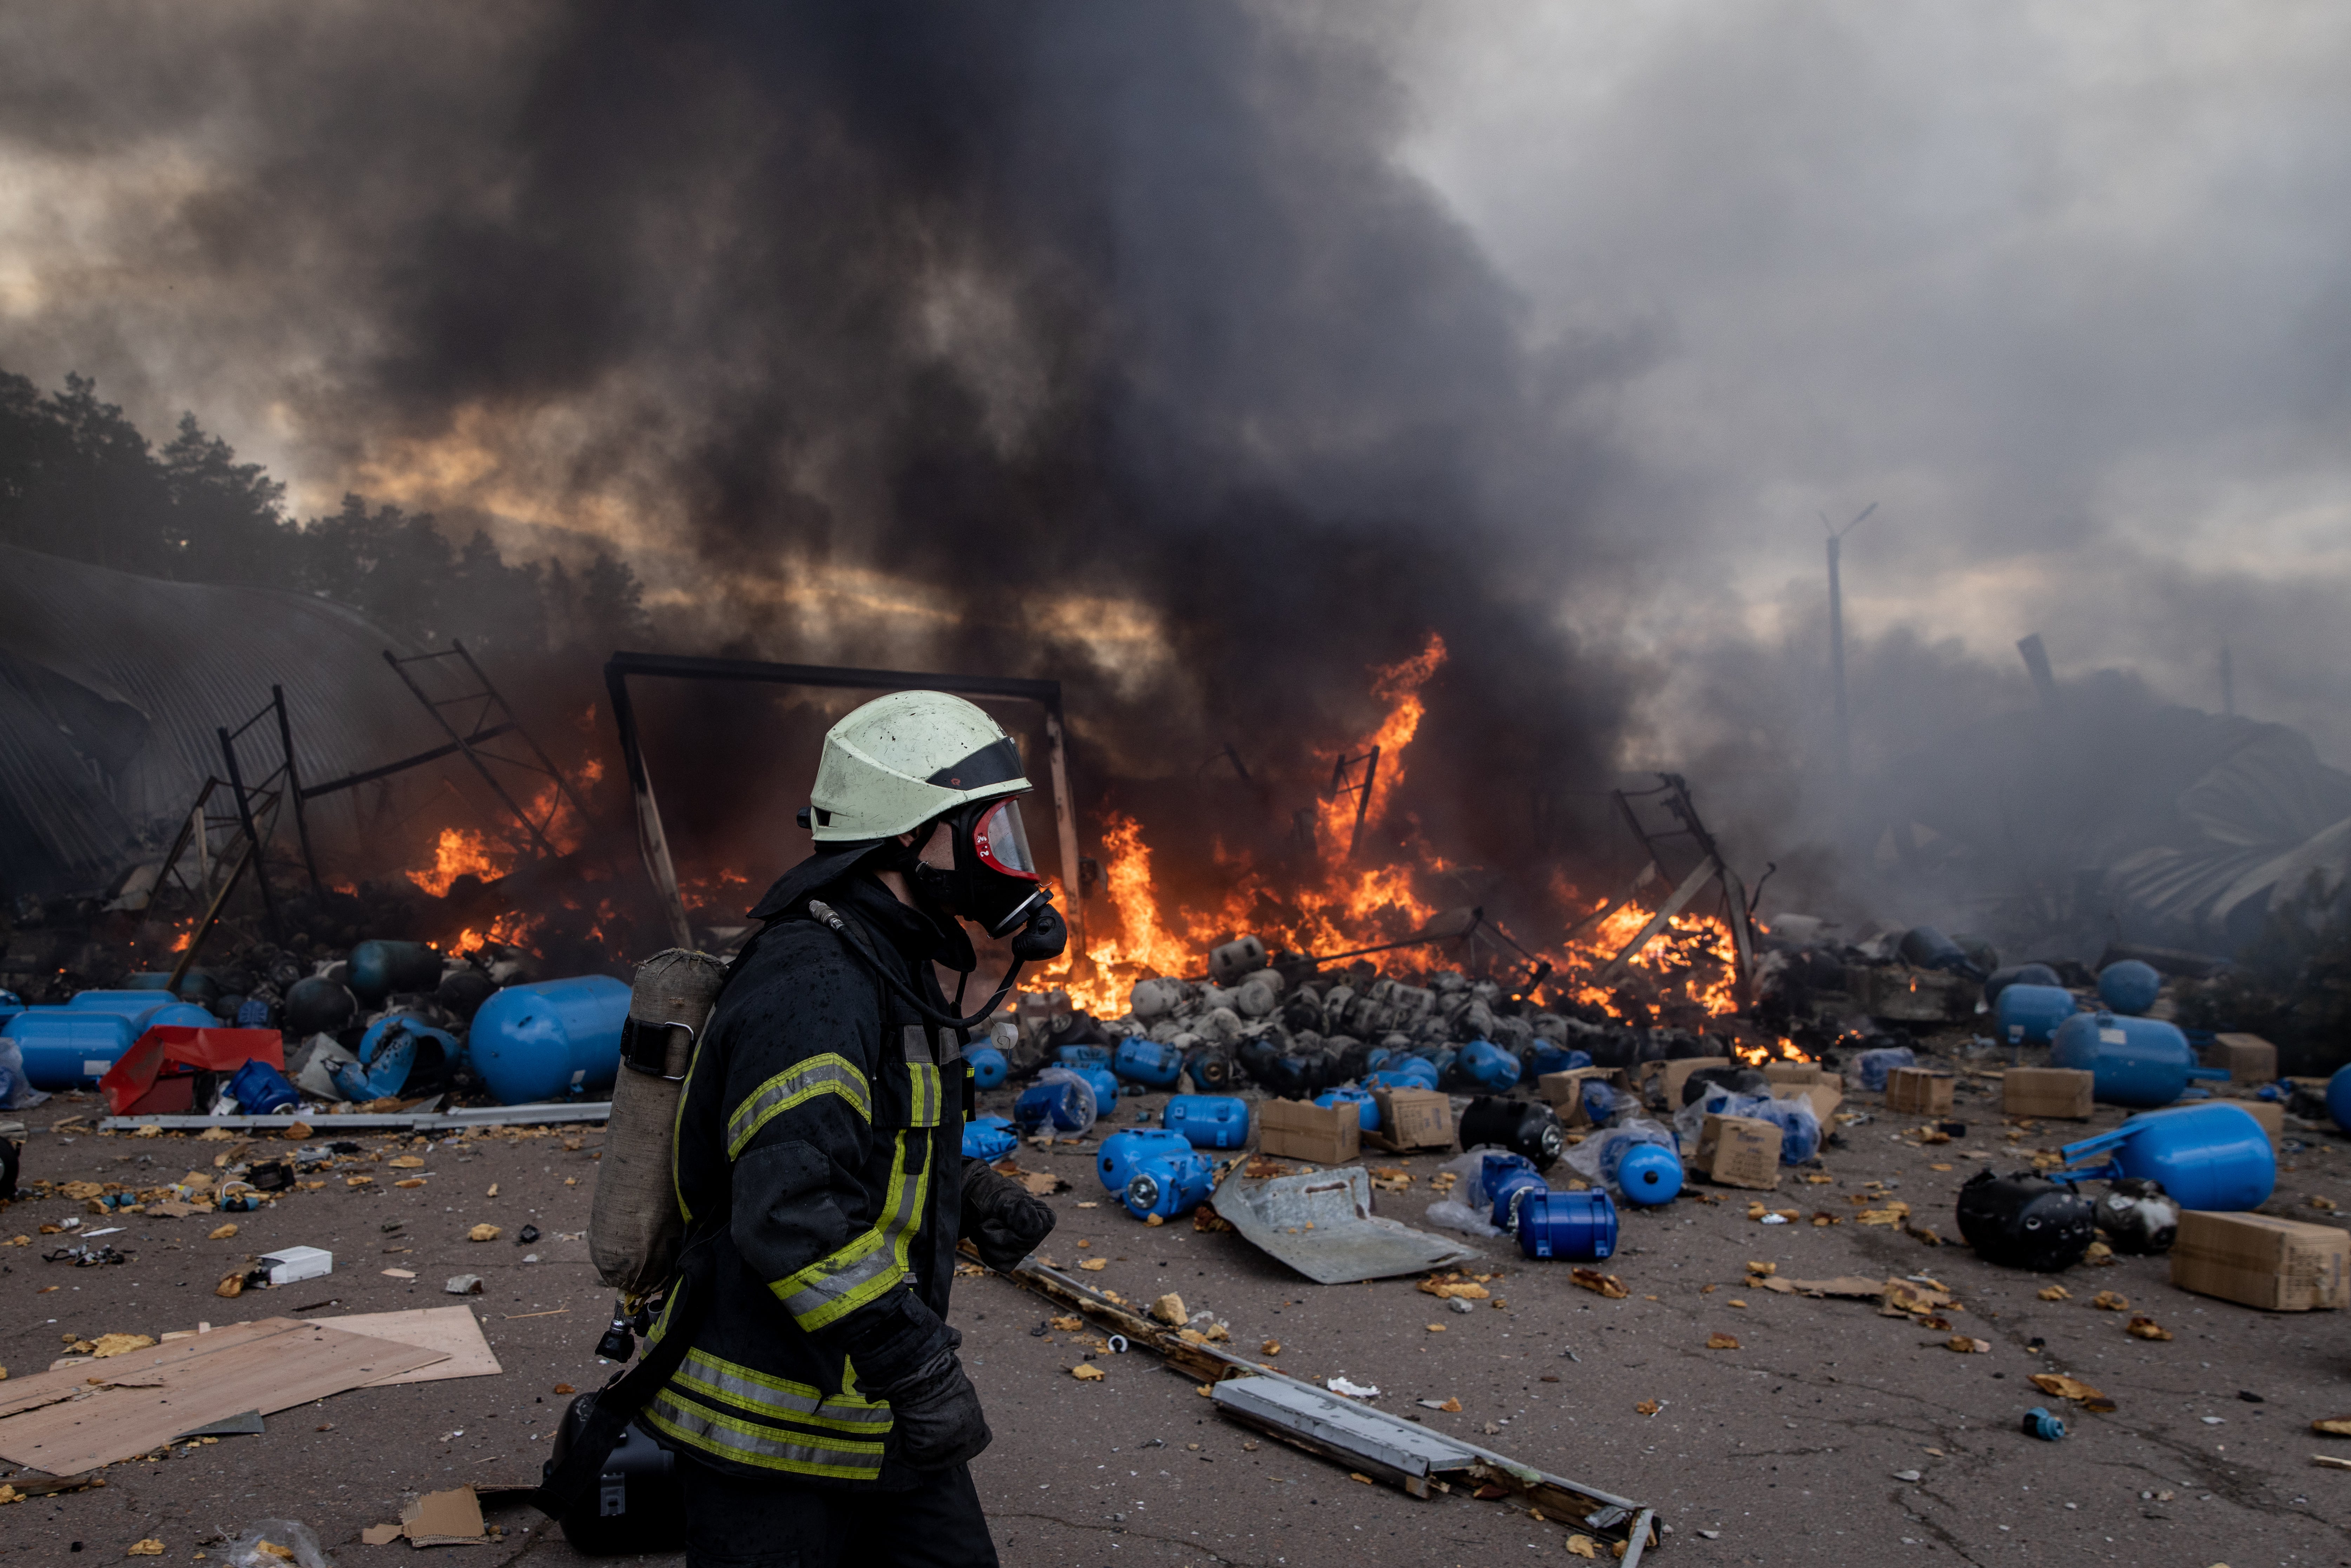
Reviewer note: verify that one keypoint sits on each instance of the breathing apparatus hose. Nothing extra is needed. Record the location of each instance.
(827, 915)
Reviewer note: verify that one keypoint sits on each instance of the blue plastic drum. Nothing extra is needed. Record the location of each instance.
(2030, 1014)
(68, 1048)
(1148, 1063)
(1208, 1121)
(2132, 1060)
(546, 1040)
(1580, 1226)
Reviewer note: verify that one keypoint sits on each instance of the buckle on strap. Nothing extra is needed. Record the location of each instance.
(646, 1046)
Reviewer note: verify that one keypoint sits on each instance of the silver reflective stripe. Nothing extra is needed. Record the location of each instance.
(769, 1448)
(917, 1049)
(754, 1391)
(826, 1075)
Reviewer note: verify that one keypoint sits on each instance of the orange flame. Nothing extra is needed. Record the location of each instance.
(461, 849)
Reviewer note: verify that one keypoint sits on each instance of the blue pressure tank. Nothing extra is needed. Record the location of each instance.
(1121, 1152)
(411, 1023)
(2018, 975)
(1505, 1179)
(2338, 1098)
(1573, 1224)
(1105, 1083)
(550, 1039)
(130, 1004)
(1485, 1066)
(988, 1066)
(2211, 1156)
(1168, 1183)
(67, 1048)
(380, 968)
(1544, 1056)
(1367, 1110)
(1876, 1066)
(2134, 1060)
(988, 1138)
(1412, 1072)
(1208, 1121)
(1600, 1101)
(1081, 1056)
(1650, 1174)
(2130, 987)
(2029, 1013)
(1142, 1060)
(1060, 1100)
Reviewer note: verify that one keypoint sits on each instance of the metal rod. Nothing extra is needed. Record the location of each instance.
(352, 781)
(245, 856)
(563, 786)
(1665, 912)
(653, 843)
(544, 848)
(1363, 802)
(293, 785)
(244, 816)
(1065, 822)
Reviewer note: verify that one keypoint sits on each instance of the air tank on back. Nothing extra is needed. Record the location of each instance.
(2132, 1060)
(553, 1037)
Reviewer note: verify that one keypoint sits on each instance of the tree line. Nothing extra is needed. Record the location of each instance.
(77, 480)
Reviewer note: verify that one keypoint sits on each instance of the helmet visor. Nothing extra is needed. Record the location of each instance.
(1002, 842)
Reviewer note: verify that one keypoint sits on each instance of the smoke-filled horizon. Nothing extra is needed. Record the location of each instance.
(1210, 357)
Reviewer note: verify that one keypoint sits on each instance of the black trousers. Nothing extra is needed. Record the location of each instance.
(731, 1522)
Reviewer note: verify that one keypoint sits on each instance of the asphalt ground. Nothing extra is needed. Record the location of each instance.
(1798, 1445)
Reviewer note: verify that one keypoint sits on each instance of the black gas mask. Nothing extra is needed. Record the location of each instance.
(976, 863)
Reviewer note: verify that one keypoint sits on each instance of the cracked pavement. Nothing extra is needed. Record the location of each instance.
(1789, 1444)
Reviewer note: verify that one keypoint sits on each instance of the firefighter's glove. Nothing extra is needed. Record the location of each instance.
(1004, 1221)
(936, 1415)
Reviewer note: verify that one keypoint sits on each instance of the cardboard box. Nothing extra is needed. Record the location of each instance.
(1825, 1098)
(1676, 1073)
(1918, 1092)
(2271, 1115)
(2279, 1265)
(1412, 1119)
(2249, 1058)
(295, 1264)
(1301, 1130)
(1805, 1073)
(1564, 1091)
(1739, 1151)
(2060, 1092)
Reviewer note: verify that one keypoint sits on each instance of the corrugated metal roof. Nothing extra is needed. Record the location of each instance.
(113, 689)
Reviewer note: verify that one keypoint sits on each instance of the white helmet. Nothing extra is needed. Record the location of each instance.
(902, 760)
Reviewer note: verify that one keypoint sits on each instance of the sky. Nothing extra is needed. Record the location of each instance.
(2061, 289)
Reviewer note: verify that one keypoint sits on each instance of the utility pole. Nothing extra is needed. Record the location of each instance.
(1837, 648)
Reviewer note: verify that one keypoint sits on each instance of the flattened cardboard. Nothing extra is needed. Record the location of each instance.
(1301, 1130)
(1739, 1151)
(1826, 1097)
(2278, 1265)
(444, 1519)
(1919, 1091)
(2060, 1092)
(452, 1331)
(2249, 1058)
(1412, 1119)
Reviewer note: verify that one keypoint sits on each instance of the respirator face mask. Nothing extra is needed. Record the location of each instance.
(978, 864)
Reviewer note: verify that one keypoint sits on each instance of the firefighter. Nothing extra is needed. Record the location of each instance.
(820, 1414)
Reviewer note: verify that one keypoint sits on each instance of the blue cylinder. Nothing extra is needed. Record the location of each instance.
(1105, 1083)
(411, 1023)
(988, 1138)
(1081, 1056)
(379, 968)
(2030, 1013)
(130, 1004)
(553, 1037)
(1412, 1072)
(1169, 1185)
(1875, 1065)
(1208, 1121)
(1485, 1066)
(1602, 1103)
(2130, 987)
(988, 1066)
(1650, 1174)
(1546, 1056)
(2133, 1061)
(67, 1048)
(2211, 1156)
(2018, 975)
(1506, 1188)
(1060, 1102)
(1122, 1151)
(1367, 1110)
(2338, 1098)
(1573, 1224)
(1143, 1061)
(184, 1015)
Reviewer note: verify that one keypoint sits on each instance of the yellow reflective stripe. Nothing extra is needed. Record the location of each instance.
(843, 1280)
(926, 1096)
(830, 1074)
(778, 1399)
(661, 1322)
(748, 1443)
